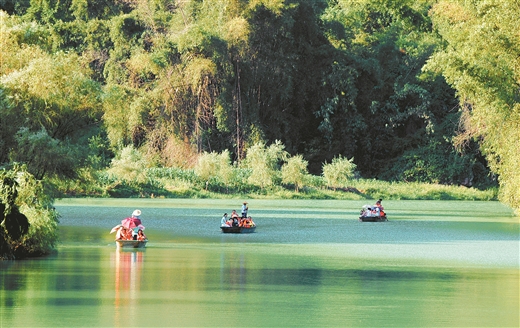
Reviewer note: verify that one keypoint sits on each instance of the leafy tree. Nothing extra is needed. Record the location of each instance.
(265, 163)
(129, 165)
(28, 223)
(215, 167)
(295, 172)
(480, 60)
(338, 172)
(378, 107)
(12, 7)
(50, 103)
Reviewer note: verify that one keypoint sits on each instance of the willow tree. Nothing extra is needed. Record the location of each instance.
(481, 61)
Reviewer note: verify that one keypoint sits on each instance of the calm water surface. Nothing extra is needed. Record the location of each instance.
(309, 263)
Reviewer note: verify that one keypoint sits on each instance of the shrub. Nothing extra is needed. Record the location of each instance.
(29, 223)
(338, 173)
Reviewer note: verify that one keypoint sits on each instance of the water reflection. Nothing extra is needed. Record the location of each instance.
(127, 283)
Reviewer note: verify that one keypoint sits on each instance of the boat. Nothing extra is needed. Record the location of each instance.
(131, 243)
(370, 213)
(228, 229)
(373, 218)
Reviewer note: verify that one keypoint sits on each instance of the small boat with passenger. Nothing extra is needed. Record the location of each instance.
(228, 229)
(131, 243)
(129, 234)
(237, 224)
(373, 213)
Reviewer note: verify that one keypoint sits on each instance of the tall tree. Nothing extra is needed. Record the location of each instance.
(481, 60)
(49, 101)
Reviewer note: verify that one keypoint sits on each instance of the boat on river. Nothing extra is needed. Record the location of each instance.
(228, 229)
(371, 213)
(131, 243)
(373, 218)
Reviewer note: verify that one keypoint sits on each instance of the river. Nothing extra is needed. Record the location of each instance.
(310, 263)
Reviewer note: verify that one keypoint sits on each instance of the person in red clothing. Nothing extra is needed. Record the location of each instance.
(380, 207)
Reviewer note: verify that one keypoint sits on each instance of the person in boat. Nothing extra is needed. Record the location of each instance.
(129, 234)
(135, 215)
(248, 222)
(244, 210)
(379, 208)
(367, 212)
(225, 222)
(119, 233)
(140, 235)
(234, 218)
(124, 234)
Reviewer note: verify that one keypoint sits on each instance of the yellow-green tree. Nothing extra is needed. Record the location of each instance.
(49, 102)
(481, 60)
(295, 172)
(338, 172)
(265, 163)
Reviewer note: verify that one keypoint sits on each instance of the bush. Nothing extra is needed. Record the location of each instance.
(29, 223)
(339, 172)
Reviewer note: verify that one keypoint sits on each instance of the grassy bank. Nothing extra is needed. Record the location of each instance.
(187, 187)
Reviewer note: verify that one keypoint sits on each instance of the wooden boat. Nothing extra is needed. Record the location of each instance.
(227, 229)
(131, 243)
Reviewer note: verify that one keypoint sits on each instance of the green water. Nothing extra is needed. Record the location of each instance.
(309, 264)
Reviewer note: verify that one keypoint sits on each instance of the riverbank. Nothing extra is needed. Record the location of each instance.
(359, 189)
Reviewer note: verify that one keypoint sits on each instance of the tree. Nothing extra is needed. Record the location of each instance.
(50, 102)
(338, 172)
(480, 60)
(215, 166)
(295, 172)
(264, 163)
(28, 223)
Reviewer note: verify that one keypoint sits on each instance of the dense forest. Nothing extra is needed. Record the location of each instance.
(406, 90)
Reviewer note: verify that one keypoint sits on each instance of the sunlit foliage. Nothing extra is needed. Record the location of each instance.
(481, 60)
(265, 163)
(295, 172)
(338, 172)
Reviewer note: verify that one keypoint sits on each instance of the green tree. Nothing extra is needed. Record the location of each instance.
(50, 102)
(295, 172)
(265, 163)
(28, 223)
(338, 172)
(480, 60)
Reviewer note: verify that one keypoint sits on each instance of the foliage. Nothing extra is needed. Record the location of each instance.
(215, 166)
(265, 163)
(295, 172)
(82, 82)
(338, 172)
(29, 222)
(129, 165)
(49, 103)
(480, 60)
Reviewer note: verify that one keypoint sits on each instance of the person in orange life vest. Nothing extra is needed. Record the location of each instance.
(380, 207)
(234, 217)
